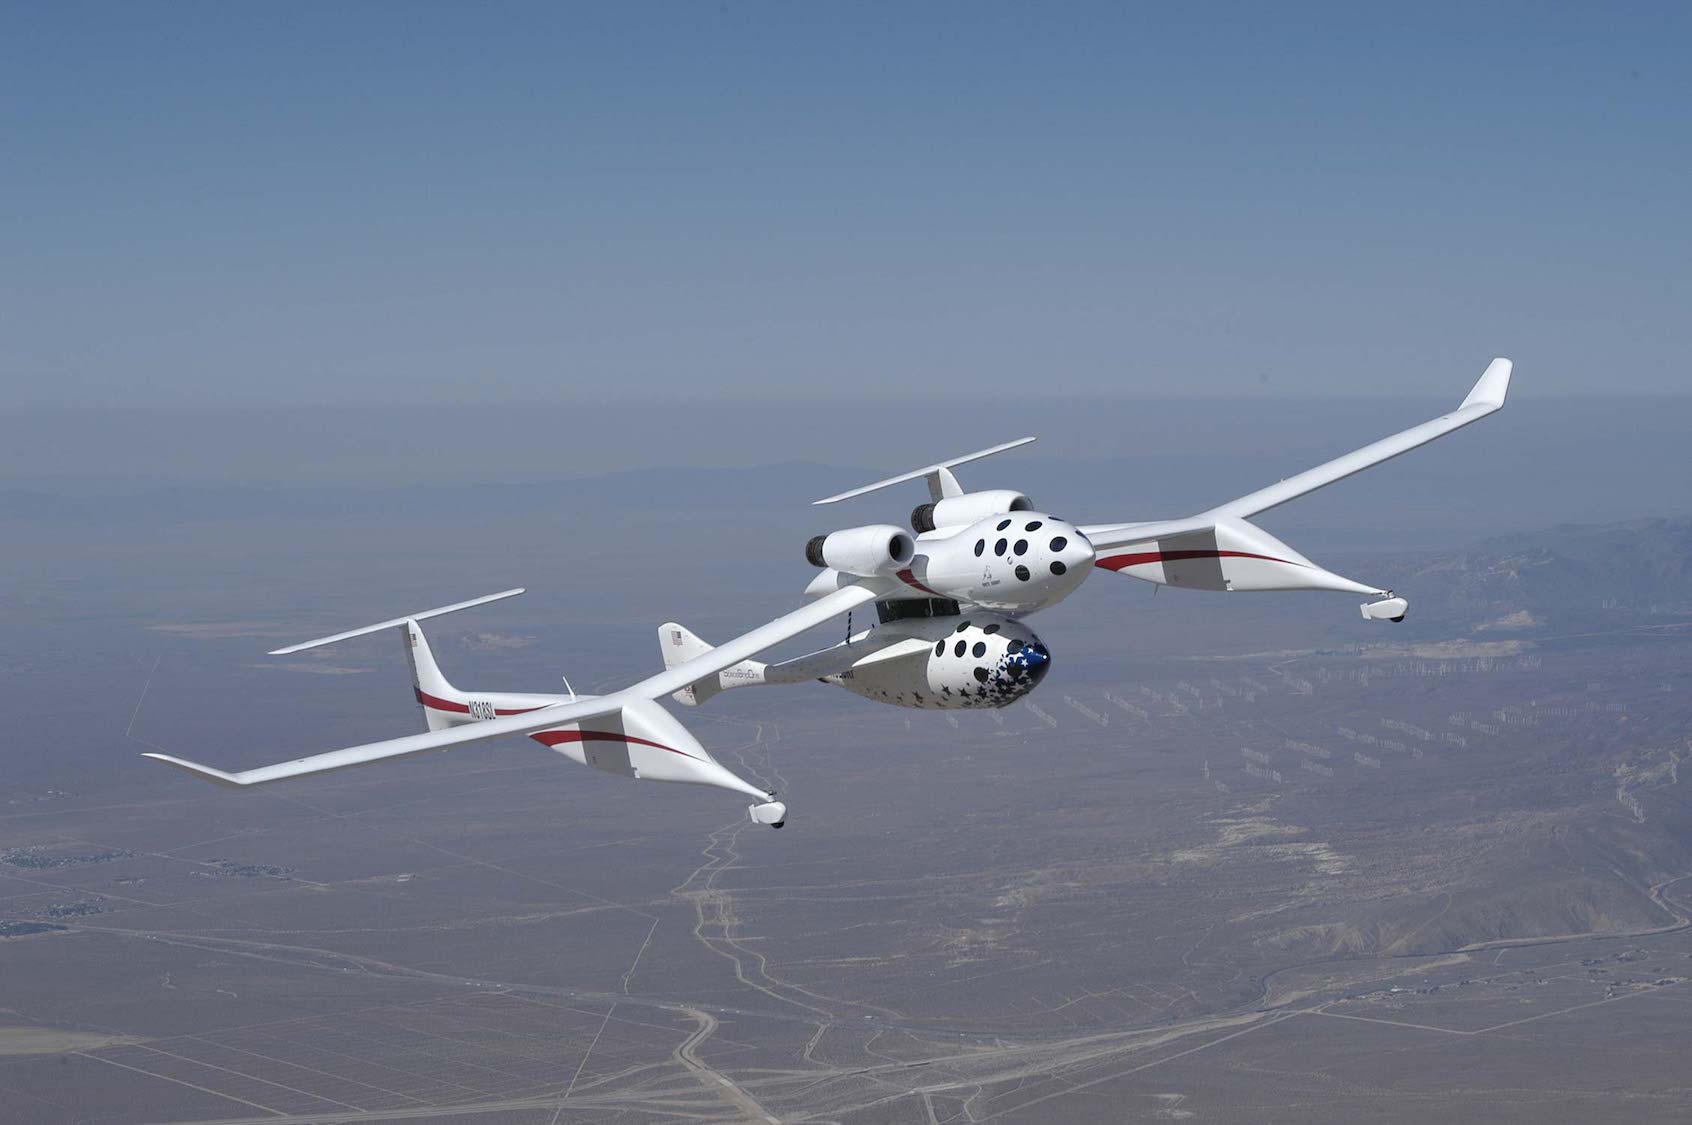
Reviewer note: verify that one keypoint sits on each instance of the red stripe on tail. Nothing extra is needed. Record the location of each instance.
(436, 703)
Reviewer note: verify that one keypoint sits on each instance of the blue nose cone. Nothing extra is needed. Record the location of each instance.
(1032, 661)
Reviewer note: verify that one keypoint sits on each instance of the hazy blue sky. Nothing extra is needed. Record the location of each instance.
(318, 203)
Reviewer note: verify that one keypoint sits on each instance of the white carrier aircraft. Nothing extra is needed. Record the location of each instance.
(951, 596)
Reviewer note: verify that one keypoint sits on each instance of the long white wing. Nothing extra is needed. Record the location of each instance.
(526, 723)
(1486, 396)
(653, 687)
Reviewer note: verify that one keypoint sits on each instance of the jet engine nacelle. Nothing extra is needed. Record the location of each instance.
(870, 551)
(961, 511)
(983, 660)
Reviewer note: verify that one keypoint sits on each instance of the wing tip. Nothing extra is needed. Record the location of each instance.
(1493, 385)
(206, 773)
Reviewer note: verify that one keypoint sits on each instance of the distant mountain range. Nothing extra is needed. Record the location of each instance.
(1565, 576)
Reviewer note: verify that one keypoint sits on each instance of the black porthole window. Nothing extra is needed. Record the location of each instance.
(1021, 573)
(1035, 526)
(958, 649)
(1059, 543)
(939, 648)
(961, 627)
(1003, 524)
(979, 650)
(1014, 645)
(999, 547)
(981, 675)
(1058, 568)
(980, 545)
(1021, 546)
(991, 629)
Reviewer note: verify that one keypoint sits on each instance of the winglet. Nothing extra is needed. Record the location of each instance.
(1492, 386)
(218, 776)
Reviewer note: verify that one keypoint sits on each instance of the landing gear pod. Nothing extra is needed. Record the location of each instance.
(772, 813)
(1387, 609)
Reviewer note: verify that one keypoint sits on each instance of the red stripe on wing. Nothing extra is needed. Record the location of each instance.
(1123, 562)
(556, 737)
(549, 737)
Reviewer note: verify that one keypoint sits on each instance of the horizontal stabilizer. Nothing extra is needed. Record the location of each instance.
(396, 622)
(940, 471)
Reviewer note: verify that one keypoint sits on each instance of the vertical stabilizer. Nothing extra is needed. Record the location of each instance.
(426, 678)
(679, 645)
